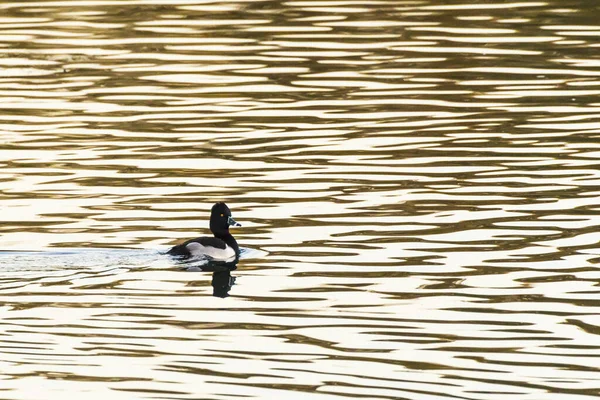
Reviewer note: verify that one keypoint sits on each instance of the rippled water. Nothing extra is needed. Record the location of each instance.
(418, 183)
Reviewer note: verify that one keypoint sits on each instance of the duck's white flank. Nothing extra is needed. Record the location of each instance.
(196, 249)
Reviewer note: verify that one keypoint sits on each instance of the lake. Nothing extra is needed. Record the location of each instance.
(418, 184)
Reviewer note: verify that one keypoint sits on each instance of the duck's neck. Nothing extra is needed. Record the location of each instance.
(229, 239)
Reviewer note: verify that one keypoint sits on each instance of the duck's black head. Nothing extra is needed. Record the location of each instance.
(221, 220)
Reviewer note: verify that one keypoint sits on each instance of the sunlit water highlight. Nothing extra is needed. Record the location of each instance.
(417, 181)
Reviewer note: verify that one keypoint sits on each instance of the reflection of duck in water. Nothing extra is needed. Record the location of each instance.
(220, 247)
(222, 281)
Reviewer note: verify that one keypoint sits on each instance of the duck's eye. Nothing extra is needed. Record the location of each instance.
(222, 215)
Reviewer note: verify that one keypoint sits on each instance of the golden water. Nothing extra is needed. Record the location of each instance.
(418, 183)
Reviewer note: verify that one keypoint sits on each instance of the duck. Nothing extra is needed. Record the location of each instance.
(221, 247)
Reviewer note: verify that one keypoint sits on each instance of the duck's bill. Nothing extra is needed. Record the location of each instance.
(232, 222)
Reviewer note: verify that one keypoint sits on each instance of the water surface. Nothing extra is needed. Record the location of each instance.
(418, 182)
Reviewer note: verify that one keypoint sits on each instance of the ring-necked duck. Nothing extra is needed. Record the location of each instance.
(221, 247)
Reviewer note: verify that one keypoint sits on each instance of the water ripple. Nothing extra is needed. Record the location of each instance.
(417, 183)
